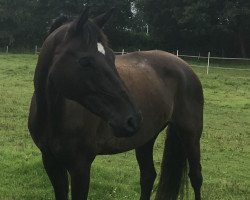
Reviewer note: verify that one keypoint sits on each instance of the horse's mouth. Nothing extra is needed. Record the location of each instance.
(121, 132)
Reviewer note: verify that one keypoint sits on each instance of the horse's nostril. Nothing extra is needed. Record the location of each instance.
(133, 123)
(129, 128)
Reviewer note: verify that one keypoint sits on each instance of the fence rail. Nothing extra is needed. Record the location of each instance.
(208, 58)
(212, 57)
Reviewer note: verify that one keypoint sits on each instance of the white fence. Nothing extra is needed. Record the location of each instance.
(7, 49)
(208, 59)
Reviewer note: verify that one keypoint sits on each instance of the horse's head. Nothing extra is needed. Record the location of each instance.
(83, 69)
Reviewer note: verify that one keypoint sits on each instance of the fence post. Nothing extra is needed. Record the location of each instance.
(122, 51)
(177, 53)
(7, 49)
(199, 56)
(208, 62)
(35, 49)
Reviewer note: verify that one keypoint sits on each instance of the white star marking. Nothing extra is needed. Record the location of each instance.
(100, 48)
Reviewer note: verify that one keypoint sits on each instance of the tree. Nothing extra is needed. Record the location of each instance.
(197, 24)
(236, 18)
(14, 19)
(25, 22)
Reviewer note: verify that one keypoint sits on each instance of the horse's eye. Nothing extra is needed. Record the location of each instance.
(85, 62)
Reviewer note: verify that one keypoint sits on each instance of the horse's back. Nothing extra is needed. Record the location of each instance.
(174, 74)
(165, 64)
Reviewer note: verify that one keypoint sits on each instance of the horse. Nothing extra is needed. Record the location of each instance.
(89, 102)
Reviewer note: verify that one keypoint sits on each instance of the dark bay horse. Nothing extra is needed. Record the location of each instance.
(87, 102)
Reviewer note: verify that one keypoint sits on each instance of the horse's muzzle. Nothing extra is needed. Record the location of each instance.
(129, 128)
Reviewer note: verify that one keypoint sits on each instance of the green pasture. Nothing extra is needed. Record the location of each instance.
(225, 141)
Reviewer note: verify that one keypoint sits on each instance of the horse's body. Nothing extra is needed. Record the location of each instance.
(160, 85)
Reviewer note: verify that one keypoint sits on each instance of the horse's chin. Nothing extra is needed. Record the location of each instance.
(123, 133)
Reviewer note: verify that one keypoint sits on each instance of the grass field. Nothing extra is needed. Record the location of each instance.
(225, 141)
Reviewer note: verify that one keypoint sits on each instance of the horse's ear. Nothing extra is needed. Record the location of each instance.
(59, 21)
(81, 20)
(102, 19)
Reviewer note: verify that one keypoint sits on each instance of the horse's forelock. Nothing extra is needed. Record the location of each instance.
(92, 34)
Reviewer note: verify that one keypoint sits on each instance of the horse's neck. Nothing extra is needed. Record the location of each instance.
(40, 77)
(55, 102)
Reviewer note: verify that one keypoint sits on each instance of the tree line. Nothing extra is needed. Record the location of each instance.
(192, 26)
